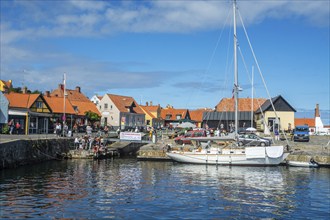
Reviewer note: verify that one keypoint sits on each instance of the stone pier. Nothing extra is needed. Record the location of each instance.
(16, 153)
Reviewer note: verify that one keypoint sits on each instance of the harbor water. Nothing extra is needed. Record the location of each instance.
(131, 189)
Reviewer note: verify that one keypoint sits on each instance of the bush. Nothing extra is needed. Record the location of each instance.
(5, 129)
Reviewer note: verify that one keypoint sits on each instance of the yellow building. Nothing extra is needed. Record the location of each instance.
(153, 115)
(283, 119)
(5, 85)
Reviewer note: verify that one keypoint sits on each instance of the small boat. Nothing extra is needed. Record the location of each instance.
(311, 163)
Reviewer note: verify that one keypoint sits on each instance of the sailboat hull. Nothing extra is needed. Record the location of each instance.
(232, 157)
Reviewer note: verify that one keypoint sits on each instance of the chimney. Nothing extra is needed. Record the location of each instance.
(317, 111)
(24, 90)
(78, 89)
(150, 103)
(60, 86)
(47, 94)
(147, 103)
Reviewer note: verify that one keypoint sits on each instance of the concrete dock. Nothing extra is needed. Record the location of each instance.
(317, 148)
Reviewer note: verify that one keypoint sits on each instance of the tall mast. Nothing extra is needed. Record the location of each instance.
(235, 72)
(64, 119)
(252, 91)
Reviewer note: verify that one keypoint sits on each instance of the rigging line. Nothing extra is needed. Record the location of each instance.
(225, 82)
(212, 57)
(254, 93)
(261, 75)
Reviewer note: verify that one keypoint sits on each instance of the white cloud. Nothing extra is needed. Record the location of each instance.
(88, 5)
(85, 18)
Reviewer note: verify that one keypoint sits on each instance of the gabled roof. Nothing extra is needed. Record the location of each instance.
(84, 106)
(151, 110)
(21, 100)
(8, 83)
(280, 104)
(304, 121)
(57, 105)
(125, 102)
(147, 112)
(72, 95)
(244, 104)
(173, 113)
(197, 115)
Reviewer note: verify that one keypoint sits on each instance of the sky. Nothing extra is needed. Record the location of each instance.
(175, 52)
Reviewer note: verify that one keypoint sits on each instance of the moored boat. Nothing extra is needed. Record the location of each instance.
(233, 154)
(311, 163)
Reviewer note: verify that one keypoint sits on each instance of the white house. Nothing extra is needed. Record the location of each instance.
(96, 99)
(121, 112)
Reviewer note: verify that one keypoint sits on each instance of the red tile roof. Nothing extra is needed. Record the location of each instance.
(244, 104)
(85, 106)
(304, 121)
(72, 95)
(151, 110)
(197, 115)
(20, 100)
(124, 102)
(173, 113)
(146, 111)
(57, 105)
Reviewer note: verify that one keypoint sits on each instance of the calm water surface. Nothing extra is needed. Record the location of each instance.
(130, 189)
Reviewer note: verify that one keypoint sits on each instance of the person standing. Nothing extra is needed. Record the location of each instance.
(11, 126)
(58, 129)
(18, 126)
(277, 135)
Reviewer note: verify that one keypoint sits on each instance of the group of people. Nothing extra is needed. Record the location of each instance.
(58, 130)
(86, 142)
(14, 126)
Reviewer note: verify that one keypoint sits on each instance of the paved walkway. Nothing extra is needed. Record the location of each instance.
(6, 137)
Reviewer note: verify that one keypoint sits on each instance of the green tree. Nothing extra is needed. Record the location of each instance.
(92, 116)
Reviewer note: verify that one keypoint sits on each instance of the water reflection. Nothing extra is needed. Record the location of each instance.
(128, 189)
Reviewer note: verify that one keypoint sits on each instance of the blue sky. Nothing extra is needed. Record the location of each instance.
(169, 52)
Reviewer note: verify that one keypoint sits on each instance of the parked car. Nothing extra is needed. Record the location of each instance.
(253, 140)
(193, 133)
(301, 133)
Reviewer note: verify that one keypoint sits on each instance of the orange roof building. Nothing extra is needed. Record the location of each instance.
(174, 116)
(121, 112)
(152, 115)
(5, 85)
(197, 115)
(244, 104)
(31, 110)
(304, 121)
(80, 103)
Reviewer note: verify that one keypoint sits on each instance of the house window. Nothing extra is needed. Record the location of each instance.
(168, 117)
(39, 104)
(100, 107)
(178, 116)
(105, 106)
(111, 107)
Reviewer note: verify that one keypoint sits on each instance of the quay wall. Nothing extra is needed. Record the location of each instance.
(23, 152)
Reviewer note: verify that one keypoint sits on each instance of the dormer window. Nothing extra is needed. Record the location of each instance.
(169, 116)
(178, 116)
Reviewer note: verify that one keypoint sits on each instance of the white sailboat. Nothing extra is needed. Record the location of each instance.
(232, 155)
